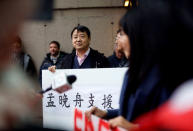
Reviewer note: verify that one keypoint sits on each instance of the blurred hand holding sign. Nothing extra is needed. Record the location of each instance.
(93, 87)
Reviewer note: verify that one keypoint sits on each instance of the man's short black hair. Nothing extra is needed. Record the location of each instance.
(81, 28)
(56, 43)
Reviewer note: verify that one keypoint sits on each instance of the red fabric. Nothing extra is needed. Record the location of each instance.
(77, 115)
(164, 118)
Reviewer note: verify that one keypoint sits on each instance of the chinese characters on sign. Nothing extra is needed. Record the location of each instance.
(63, 101)
(99, 87)
(91, 101)
(50, 100)
(77, 102)
(107, 102)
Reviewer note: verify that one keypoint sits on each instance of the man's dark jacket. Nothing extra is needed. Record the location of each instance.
(97, 60)
(116, 62)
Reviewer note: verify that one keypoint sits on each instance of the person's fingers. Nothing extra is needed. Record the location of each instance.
(49, 68)
(118, 121)
(52, 68)
(94, 110)
(88, 115)
(122, 122)
(90, 112)
(112, 123)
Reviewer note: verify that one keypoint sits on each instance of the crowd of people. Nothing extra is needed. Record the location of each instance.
(81, 57)
(153, 40)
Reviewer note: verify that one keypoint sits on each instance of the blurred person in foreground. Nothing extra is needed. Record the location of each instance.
(147, 83)
(177, 71)
(19, 103)
(118, 58)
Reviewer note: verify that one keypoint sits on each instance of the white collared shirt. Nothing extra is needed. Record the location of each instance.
(81, 60)
(54, 58)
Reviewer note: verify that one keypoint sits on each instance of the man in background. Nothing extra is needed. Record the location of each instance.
(54, 58)
(118, 59)
(83, 56)
(23, 59)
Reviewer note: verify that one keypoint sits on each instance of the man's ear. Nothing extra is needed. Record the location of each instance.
(89, 39)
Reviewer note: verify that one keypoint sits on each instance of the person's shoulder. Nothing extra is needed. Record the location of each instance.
(110, 57)
(67, 61)
(73, 53)
(100, 58)
(96, 53)
(62, 53)
(26, 55)
(46, 58)
(69, 57)
(47, 55)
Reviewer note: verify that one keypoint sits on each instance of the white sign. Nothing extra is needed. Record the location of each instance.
(93, 87)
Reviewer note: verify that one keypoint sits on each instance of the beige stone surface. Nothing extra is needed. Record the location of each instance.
(86, 3)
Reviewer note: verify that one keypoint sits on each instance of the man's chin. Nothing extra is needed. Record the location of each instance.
(78, 48)
(54, 54)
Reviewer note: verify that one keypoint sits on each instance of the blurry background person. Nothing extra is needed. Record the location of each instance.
(55, 57)
(23, 59)
(118, 58)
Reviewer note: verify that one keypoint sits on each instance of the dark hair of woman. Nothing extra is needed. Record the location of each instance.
(146, 28)
(160, 36)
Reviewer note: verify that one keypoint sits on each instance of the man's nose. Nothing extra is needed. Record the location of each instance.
(78, 39)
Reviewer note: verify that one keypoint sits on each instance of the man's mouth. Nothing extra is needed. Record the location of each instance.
(79, 43)
(53, 51)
